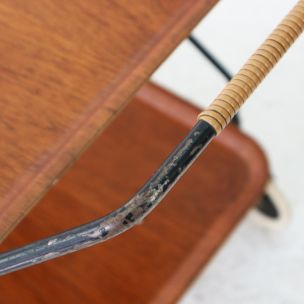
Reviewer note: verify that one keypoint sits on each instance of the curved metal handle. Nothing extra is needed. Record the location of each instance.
(122, 219)
(212, 121)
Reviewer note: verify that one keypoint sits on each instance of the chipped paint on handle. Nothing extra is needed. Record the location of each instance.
(122, 219)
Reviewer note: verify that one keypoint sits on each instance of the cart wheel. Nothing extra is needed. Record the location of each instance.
(273, 210)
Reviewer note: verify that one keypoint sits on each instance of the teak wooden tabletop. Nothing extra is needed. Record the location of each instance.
(66, 69)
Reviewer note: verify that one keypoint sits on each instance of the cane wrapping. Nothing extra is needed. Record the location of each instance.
(232, 97)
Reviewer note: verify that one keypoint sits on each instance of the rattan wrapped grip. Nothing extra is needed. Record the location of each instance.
(235, 93)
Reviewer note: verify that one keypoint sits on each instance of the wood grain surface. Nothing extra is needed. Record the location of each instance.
(154, 262)
(66, 69)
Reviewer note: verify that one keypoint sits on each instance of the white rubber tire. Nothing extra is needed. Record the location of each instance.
(281, 206)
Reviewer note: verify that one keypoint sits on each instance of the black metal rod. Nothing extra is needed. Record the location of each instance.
(122, 219)
(216, 63)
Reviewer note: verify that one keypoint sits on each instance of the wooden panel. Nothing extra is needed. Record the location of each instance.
(154, 262)
(66, 69)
